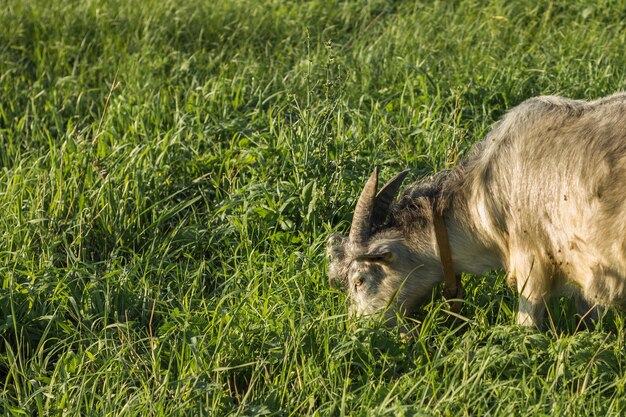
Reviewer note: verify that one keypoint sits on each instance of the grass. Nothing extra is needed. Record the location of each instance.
(169, 173)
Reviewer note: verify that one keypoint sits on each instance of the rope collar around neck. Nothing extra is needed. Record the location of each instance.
(452, 291)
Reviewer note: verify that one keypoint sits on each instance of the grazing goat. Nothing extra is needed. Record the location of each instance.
(543, 195)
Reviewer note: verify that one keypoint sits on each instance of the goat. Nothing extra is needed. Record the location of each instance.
(543, 196)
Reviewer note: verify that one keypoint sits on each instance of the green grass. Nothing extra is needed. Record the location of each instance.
(169, 173)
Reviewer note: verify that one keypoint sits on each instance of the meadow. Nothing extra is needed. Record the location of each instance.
(170, 171)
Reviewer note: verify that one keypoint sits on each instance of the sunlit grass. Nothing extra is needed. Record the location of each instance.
(169, 173)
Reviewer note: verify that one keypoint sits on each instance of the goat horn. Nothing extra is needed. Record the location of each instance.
(362, 218)
(385, 197)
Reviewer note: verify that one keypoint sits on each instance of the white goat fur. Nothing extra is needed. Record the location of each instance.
(543, 195)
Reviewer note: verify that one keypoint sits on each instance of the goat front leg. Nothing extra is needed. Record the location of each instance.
(533, 283)
(531, 311)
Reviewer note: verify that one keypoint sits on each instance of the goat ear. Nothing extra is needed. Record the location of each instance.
(378, 257)
(336, 254)
(335, 248)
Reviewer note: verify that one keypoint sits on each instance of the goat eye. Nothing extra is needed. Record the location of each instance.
(358, 282)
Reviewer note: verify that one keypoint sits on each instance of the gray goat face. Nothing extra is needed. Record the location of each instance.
(377, 270)
(377, 277)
